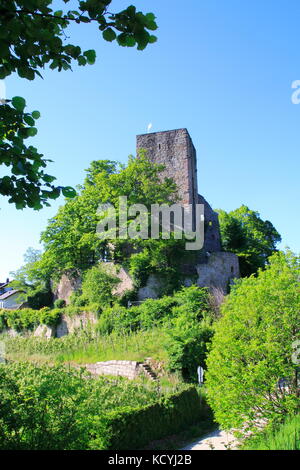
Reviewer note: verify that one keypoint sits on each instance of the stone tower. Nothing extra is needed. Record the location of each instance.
(175, 150)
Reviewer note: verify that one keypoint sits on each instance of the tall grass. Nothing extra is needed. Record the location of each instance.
(285, 437)
(88, 346)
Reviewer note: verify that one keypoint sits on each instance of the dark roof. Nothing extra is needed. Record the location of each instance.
(8, 294)
(4, 284)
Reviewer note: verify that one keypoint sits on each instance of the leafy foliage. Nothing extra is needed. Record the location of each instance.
(155, 312)
(285, 436)
(252, 348)
(186, 319)
(98, 286)
(27, 318)
(130, 428)
(54, 408)
(70, 240)
(33, 36)
(243, 232)
(35, 285)
(188, 340)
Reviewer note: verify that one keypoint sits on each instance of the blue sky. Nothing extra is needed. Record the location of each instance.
(221, 68)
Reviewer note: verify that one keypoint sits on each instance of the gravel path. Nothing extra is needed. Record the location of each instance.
(217, 440)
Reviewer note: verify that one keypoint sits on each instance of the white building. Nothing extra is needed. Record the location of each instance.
(11, 299)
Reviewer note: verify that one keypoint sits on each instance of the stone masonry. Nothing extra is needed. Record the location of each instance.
(129, 369)
(175, 150)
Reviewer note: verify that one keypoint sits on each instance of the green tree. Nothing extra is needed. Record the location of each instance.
(32, 36)
(34, 283)
(70, 239)
(253, 347)
(98, 285)
(244, 232)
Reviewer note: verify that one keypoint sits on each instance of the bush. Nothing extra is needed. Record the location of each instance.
(283, 437)
(59, 303)
(42, 408)
(118, 319)
(187, 345)
(52, 408)
(27, 319)
(130, 428)
(155, 312)
(98, 285)
(253, 347)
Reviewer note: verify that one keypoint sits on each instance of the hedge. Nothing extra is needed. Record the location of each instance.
(27, 318)
(128, 429)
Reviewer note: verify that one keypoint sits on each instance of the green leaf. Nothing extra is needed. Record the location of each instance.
(81, 60)
(122, 39)
(54, 194)
(49, 178)
(91, 56)
(36, 114)
(29, 120)
(109, 35)
(69, 192)
(130, 41)
(152, 39)
(32, 131)
(18, 103)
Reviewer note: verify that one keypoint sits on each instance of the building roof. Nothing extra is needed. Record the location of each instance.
(4, 284)
(8, 294)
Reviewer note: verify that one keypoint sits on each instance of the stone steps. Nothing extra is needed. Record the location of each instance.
(146, 369)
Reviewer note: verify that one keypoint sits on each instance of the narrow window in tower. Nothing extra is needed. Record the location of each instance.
(159, 146)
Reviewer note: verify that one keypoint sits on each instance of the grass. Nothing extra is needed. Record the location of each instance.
(88, 347)
(284, 437)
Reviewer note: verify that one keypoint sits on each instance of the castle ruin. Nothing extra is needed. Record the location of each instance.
(212, 268)
(175, 150)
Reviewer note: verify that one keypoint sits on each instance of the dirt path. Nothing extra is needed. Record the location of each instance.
(217, 440)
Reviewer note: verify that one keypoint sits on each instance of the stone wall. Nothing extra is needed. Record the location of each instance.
(66, 286)
(70, 324)
(219, 271)
(129, 369)
(151, 290)
(126, 282)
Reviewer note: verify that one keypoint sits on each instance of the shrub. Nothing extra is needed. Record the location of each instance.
(59, 303)
(155, 312)
(52, 408)
(187, 345)
(118, 319)
(98, 285)
(253, 347)
(285, 436)
(27, 318)
(133, 428)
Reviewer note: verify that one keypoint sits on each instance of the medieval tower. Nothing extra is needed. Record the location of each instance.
(175, 150)
(212, 267)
